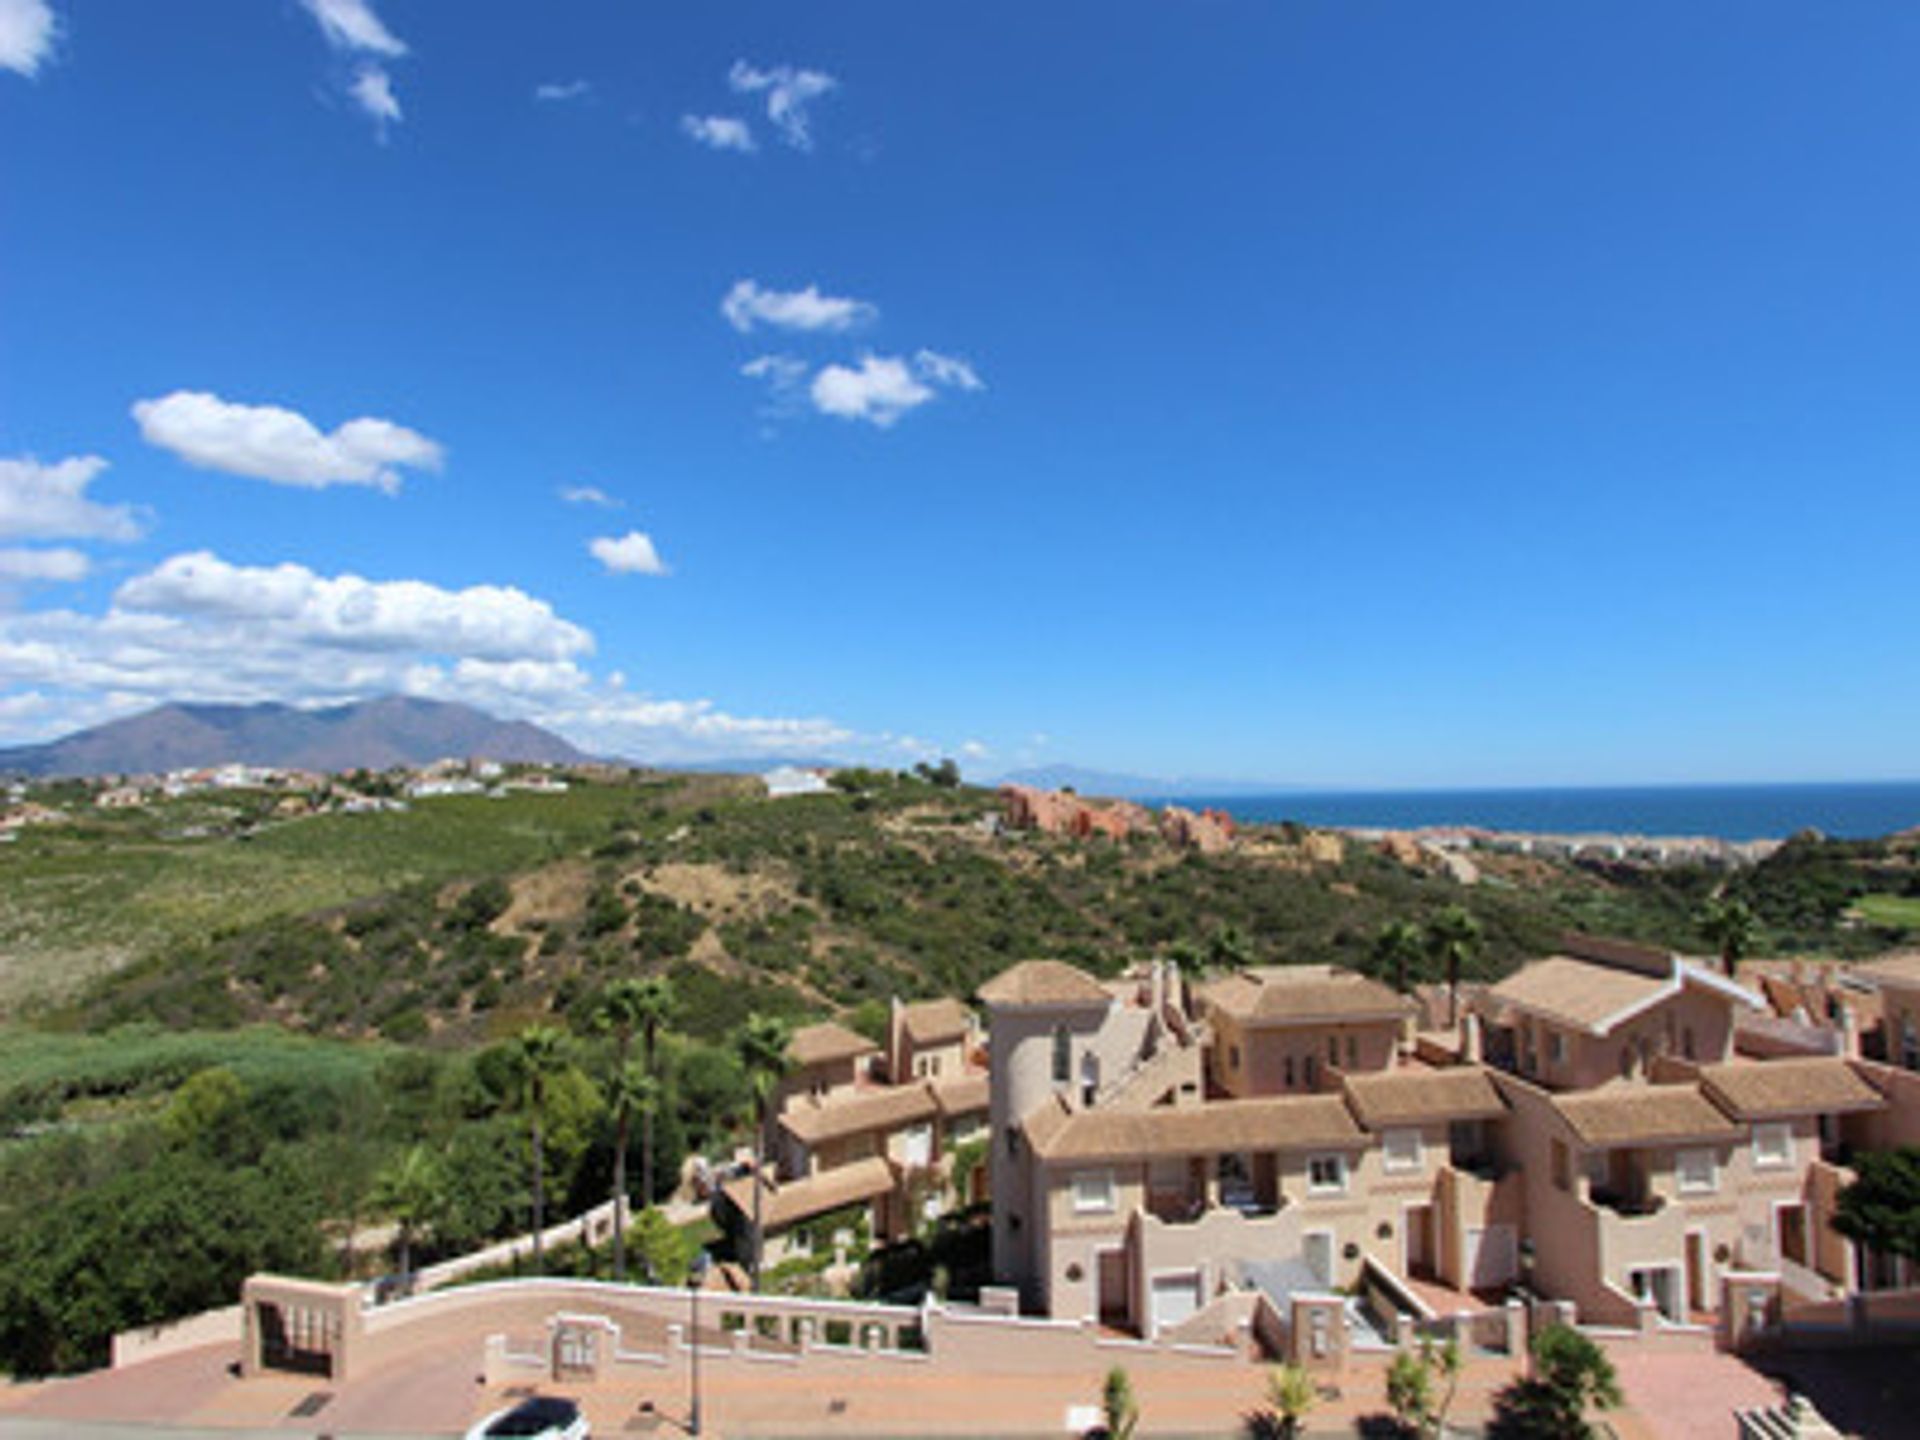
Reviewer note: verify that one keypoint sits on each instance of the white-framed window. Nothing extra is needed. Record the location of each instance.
(1772, 1146)
(1695, 1171)
(1326, 1174)
(1093, 1192)
(1400, 1150)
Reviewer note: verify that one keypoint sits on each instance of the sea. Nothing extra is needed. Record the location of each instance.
(1727, 812)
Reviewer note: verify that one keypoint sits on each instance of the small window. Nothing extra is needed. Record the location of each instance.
(1333, 1049)
(1400, 1150)
(1686, 1042)
(1326, 1174)
(1062, 1055)
(1013, 1142)
(1233, 1057)
(1772, 1146)
(1353, 1052)
(1695, 1171)
(1562, 1171)
(1289, 1072)
(1313, 1072)
(1093, 1192)
(1556, 1048)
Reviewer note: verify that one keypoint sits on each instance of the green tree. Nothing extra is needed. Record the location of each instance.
(1729, 922)
(1397, 949)
(664, 1248)
(1118, 1405)
(1452, 938)
(633, 1006)
(763, 1045)
(539, 1057)
(203, 1107)
(1421, 1385)
(409, 1189)
(1881, 1207)
(1291, 1393)
(1571, 1375)
(1230, 949)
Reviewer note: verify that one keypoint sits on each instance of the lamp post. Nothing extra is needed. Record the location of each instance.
(696, 1275)
(1527, 1294)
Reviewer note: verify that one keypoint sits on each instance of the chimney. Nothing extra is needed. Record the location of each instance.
(1849, 1033)
(896, 1041)
(1470, 1039)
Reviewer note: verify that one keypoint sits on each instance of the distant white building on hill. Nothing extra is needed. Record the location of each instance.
(785, 780)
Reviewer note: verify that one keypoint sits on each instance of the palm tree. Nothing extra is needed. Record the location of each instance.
(538, 1057)
(629, 1006)
(762, 1044)
(630, 1091)
(1230, 949)
(1398, 948)
(1729, 922)
(1291, 1393)
(1118, 1405)
(1452, 937)
(408, 1188)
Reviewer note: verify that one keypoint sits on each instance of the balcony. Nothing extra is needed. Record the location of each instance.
(1626, 1204)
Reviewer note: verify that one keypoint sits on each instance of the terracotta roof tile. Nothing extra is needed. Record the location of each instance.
(812, 1120)
(1627, 1113)
(825, 1043)
(1412, 1097)
(1304, 994)
(962, 1094)
(1765, 1089)
(1044, 982)
(936, 1022)
(784, 1204)
(1283, 1122)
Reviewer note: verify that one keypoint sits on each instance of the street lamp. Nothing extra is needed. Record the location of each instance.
(1527, 1294)
(696, 1275)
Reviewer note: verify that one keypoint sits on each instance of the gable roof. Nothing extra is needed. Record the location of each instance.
(962, 1094)
(1595, 996)
(1767, 1089)
(1627, 1113)
(1901, 967)
(787, 1204)
(1279, 1122)
(825, 1043)
(1412, 1096)
(936, 1022)
(1304, 995)
(1044, 983)
(810, 1120)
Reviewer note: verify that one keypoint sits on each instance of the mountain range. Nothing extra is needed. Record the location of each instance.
(372, 734)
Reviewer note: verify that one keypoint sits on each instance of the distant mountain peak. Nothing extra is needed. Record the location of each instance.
(376, 733)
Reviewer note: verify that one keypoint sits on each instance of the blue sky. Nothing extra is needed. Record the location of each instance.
(1344, 393)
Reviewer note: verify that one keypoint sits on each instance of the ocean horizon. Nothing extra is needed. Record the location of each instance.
(1858, 810)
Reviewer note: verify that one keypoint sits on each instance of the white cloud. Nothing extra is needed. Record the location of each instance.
(52, 565)
(630, 554)
(782, 372)
(880, 390)
(200, 628)
(290, 603)
(720, 132)
(266, 442)
(589, 495)
(747, 304)
(27, 32)
(49, 502)
(789, 92)
(571, 90)
(974, 750)
(946, 370)
(372, 91)
(352, 26)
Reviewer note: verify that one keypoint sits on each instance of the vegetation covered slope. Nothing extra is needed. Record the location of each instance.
(466, 916)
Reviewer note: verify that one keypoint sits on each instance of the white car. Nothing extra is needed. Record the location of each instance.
(544, 1417)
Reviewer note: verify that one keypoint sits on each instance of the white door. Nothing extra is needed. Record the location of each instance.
(1491, 1257)
(1175, 1298)
(1316, 1248)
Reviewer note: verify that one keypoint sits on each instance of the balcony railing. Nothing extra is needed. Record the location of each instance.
(1626, 1204)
